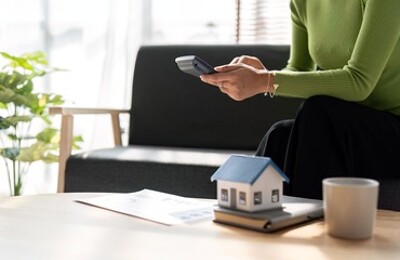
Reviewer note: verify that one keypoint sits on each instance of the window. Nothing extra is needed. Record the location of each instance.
(224, 195)
(257, 198)
(275, 196)
(242, 198)
(229, 21)
(263, 21)
(190, 21)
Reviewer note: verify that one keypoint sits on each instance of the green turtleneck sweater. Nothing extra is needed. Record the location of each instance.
(356, 46)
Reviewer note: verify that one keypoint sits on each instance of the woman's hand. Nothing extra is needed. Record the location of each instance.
(244, 77)
(249, 60)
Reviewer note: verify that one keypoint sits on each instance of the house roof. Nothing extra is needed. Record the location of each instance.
(245, 169)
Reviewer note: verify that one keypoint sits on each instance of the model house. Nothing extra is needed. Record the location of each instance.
(249, 183)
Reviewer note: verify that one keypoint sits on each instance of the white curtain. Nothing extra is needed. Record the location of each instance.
(123, 37)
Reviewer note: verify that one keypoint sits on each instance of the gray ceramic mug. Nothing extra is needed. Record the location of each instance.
(350, 206)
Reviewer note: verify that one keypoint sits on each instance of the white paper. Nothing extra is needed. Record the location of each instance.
(156, 206)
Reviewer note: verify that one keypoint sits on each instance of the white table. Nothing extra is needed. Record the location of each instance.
(55, 227)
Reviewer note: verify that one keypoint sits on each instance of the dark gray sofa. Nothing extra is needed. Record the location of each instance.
(181, 129)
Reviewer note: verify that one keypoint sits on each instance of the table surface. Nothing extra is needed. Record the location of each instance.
(54, 226)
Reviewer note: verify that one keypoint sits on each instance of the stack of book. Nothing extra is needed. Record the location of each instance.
(294, 211)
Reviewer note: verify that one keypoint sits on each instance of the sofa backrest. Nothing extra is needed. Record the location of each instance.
(172, 108)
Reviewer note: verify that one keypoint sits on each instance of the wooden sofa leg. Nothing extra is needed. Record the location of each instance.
(116, 128)
(65, 149)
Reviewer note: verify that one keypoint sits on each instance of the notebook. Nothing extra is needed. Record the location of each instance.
(294, 211)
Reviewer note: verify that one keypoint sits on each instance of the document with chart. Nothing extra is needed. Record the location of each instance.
(155, 206)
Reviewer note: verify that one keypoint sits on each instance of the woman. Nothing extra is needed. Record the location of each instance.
(350, 121)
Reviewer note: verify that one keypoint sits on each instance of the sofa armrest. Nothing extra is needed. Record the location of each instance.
(67, 119)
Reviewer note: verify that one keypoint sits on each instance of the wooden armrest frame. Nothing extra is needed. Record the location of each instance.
(67, 121)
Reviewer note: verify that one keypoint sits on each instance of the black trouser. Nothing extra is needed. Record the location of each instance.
(331, 137)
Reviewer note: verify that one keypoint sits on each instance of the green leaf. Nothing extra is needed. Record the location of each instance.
(31, 153)
(38, 57)
(27, 61)
(38, 103)
(2, 105)
(49, 135)
(50, 158)
(3, 124)
(15, 120)
(38, 151)
(10, 153)
(6, 95)
(17, 61)
(20, 100)
(33, 64)
(55, 99)
(12, 137)
(75, 140)
(17, 82)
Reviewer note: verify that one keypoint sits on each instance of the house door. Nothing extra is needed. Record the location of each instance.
(233, 198)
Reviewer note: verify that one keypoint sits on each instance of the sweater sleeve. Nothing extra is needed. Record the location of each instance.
(300, 59)
(379, 34)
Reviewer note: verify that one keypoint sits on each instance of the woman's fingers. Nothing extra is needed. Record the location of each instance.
(249, 60)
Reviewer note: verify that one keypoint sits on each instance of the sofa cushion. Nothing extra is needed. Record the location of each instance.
(180, 171)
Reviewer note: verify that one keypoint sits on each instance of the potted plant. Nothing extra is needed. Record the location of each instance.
(26, 132)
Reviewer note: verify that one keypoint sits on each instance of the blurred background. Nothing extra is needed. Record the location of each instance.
(96, 41)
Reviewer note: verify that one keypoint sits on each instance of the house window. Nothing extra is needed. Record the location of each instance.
(242, 198)
(275, 196)
(224, 195)
(257, 198)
